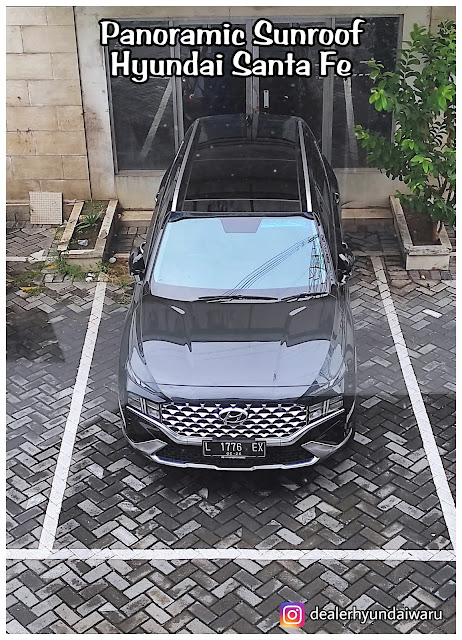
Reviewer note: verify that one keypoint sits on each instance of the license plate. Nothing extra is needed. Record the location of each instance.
(232, 449)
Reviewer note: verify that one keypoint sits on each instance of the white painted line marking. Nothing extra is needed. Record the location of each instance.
(430, 312)
(357, 555)
(418, 406)
(63, 463)
(45, 549)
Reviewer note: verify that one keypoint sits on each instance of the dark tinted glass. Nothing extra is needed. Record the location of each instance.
(143, 113)
(204, 96)
(294, 95)
(351, 95)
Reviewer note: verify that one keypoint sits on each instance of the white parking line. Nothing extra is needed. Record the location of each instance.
(63, 463)
(426, 432)
(357, 555)
(45, 549)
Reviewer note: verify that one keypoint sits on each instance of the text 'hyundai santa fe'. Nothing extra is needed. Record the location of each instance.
(238, 349)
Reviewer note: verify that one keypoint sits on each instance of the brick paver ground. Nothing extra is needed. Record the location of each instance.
(45, 335)
(221, 596)
(28, 238)
(377, 493)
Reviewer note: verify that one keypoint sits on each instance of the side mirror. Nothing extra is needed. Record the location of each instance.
(346, 260)
(136, 263)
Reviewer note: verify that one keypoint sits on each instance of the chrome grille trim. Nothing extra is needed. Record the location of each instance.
(274, 442)
(264, 420)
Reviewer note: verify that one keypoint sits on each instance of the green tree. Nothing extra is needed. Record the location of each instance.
(421, 95)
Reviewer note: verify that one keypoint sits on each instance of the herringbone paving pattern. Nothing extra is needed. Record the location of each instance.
(378, 493)
(221, 596)
(28, 238)
(426, 313)
(44, 336)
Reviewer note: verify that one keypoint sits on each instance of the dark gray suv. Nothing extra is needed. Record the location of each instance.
(238, 349)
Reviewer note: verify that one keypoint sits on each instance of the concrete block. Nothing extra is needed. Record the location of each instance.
(60, 143)
(75, 167)
(27, 118)
(19, 189)
(49, 38)
(16, 93)
(65, 66)
(26, 15)
(60, 15)
(70, 118)
(20, 143)
(62, 92)
(9, 169)
(28, 66)
(38, 167)
(13, 40)
(71, 189)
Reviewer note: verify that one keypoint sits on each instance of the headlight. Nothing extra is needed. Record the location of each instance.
(148, 407)
(316, 411)
(324, 408)
(153, 409)
(134, 401)
(334, 404)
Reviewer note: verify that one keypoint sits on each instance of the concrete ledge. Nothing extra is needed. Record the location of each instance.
(419, 257)
(142, 217)
(373, 213)
(69, 230)
(90, 257)
(136, 218)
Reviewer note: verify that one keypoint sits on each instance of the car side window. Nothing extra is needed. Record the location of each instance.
(164, 196)
(320, 180)
(335, 197)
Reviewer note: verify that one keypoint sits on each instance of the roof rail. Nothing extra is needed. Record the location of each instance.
(183, 166)
(306, 176)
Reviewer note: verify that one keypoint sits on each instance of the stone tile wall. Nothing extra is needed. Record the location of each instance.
(46, 147)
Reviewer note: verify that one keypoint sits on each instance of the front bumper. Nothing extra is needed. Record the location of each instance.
(313, 445)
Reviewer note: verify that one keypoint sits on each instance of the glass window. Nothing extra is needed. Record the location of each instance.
(351, 95)
(294, 95)
(143, 122)
(236, 253)
(204, 96)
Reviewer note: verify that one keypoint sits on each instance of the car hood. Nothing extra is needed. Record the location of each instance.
(237, 344)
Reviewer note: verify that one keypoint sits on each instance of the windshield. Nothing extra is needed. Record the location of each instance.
(238, 255)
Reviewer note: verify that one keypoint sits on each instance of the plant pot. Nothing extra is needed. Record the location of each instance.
(89, 258)
(424, 257)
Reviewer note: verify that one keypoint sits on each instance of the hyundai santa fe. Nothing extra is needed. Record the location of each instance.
(238, 349)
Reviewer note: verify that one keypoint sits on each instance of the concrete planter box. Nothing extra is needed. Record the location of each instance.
(88, 258)
(424, 257)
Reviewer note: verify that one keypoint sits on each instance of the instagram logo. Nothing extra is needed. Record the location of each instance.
(292, 614)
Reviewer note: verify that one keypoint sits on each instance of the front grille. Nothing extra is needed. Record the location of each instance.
(263, 420)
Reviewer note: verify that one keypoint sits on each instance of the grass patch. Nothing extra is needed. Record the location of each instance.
(66, 269)
(118, 274)
(27, 278)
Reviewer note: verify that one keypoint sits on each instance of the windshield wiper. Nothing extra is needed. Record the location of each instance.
(304, 296)
(236, 296)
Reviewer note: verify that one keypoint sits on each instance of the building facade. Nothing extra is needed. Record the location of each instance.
(73, 128)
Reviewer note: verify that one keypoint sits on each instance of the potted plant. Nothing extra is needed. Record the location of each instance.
(421, 95)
